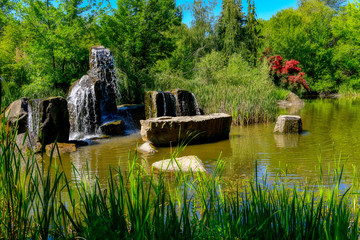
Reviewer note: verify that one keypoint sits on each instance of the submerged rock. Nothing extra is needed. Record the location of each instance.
(17, 113)
(63, 148)
(185, 164)
(288, 124)
(113, 128)
(54, 120)
(171, 130)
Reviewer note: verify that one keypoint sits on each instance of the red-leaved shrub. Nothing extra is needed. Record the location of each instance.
(288, 76)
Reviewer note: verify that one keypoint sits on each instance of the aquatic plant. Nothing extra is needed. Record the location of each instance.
(38, 201)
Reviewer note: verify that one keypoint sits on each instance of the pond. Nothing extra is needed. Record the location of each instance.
(331, 132)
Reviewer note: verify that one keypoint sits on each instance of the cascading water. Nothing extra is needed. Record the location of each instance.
(102, 64)
(34, 116)
(92, 99)
(196, 105)
(166, 104)
(83, 108)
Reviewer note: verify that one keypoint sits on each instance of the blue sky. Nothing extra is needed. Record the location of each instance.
(264, 8)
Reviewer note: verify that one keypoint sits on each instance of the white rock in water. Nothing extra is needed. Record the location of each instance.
(288, 124)
(147, 148)
(186, 164)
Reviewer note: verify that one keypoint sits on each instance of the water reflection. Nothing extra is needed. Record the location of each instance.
(332, 128)
(287, 140)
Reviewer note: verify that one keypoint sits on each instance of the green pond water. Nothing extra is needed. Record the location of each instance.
(331, 129)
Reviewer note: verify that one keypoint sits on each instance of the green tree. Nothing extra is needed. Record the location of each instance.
(137, 33)
(305, 34)
(57, 41)
(230, 27)
(252, 33)
(346, 58)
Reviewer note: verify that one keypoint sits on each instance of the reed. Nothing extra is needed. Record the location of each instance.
(37, 201)
(247, 93)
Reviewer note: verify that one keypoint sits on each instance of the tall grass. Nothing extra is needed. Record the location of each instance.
(227, 85)
(37, 201)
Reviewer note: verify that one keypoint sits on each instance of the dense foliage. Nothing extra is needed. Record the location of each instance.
(44, 48)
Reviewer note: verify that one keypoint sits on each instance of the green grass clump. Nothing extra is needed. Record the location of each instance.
(37, 201)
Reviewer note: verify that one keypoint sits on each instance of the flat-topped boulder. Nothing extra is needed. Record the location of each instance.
(185, 164)
(170, 130)
(288, 124)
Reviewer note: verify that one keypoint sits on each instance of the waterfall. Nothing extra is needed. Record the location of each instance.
(34, 116)
(196, 105)
(83, 109)
(103, 65)
(92, 99)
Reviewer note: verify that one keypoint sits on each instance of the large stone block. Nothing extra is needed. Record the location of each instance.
(171, 130)
(288, 124)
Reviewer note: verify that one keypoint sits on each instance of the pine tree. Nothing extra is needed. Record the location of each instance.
(230, 27)
(252, 33)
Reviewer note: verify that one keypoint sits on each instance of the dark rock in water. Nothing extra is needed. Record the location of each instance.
(132, 114)
(186, 103)
(172, 103)
(113, 128)
(288, 124)
(92, 99)
(166, 130)
(17, 113)
(54, 118)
